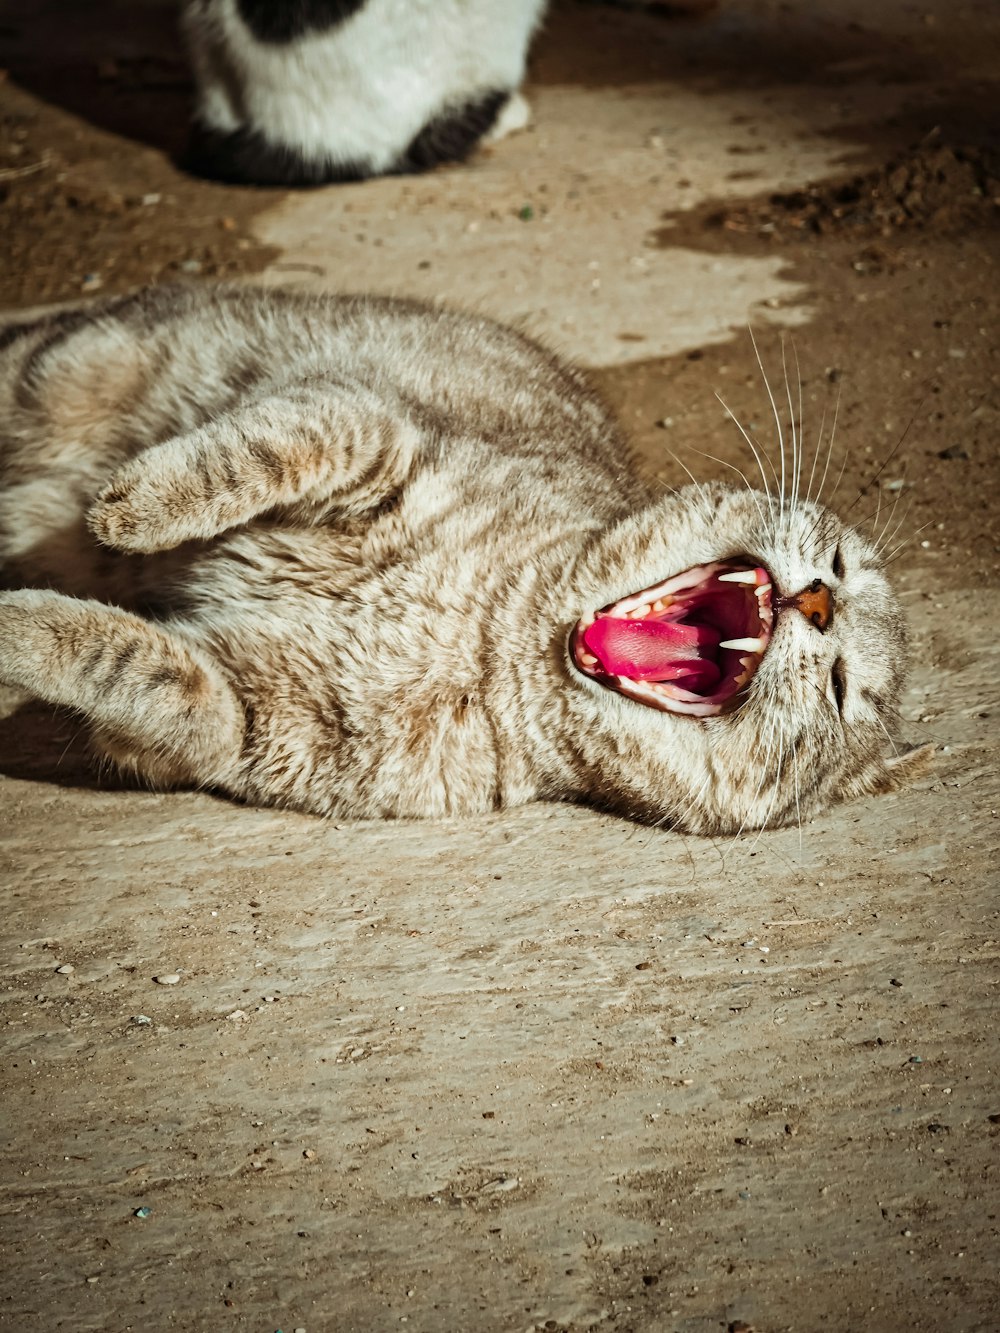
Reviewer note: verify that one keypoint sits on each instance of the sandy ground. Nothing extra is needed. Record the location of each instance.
(544, 1071)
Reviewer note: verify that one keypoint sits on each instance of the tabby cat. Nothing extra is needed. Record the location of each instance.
(369, 558)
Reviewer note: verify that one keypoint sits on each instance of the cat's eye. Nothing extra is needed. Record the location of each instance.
(838, 680)
(838, 564)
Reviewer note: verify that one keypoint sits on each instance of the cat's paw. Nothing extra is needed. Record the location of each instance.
(133, 513)
(23, 631)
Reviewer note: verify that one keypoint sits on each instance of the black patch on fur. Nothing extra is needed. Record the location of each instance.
(282, 21)
(452, 135)
(245, 157)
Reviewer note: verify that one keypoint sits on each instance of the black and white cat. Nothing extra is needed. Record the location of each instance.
(302, 92)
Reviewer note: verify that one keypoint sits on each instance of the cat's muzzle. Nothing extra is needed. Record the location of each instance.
(688, 645)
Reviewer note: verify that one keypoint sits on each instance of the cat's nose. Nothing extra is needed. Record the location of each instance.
(815, 603)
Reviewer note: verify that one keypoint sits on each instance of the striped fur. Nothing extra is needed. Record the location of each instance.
(325, 553)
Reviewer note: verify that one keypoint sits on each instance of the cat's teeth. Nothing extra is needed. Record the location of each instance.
(748, 645)
(587, 659)
(761, 592)
(747, 576)
(660, 605)
(640, 612)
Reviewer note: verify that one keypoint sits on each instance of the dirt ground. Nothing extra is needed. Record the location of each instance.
(546, 1070)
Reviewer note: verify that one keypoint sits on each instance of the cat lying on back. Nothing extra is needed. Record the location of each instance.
(367, 558)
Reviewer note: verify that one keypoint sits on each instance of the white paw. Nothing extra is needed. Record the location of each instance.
(516, 115)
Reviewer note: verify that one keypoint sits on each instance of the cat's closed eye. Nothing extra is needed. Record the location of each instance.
(838, 683)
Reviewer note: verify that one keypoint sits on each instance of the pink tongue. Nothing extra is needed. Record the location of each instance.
(653, 649)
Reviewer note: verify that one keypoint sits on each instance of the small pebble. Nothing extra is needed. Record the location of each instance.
(142, 1212)
(141, 1020)
(150, 199)
(167, 978)
(91, 282)
(190, 266)
(309, 1154)
(66, 970)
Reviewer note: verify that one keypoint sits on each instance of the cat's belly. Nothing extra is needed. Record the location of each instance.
(366, 688)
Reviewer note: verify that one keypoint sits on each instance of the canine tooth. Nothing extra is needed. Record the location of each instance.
(747, 645)
(747, 576)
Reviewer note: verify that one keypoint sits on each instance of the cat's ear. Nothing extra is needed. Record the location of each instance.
(902, 769)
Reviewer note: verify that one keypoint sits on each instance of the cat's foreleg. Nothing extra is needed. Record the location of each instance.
(159, 707)
(307, 447)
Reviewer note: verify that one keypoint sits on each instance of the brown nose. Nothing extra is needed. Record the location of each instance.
(815, 603)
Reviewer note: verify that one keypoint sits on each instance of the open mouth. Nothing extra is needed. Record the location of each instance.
(688, 645)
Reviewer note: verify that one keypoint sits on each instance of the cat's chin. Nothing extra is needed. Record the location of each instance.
(688, 645)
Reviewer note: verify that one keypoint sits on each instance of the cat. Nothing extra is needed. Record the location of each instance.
(314, 91)
(307, 92)
(370, 558)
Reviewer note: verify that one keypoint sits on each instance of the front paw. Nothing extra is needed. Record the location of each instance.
(23, 630)
(130, 515)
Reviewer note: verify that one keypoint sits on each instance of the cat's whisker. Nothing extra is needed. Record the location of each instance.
(829, 447)
(878, 535)
(815, 457)
(774, 744)
(692, 804)
(750, 805)
(887, 460)
(777, 422)
(898, 550)
(793, 426)
(802, 424)
(740, 472)
(753, 449)
(888, 537)
(888, 736)
(700, 485)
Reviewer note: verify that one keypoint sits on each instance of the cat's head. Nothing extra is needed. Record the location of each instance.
(737, 662)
